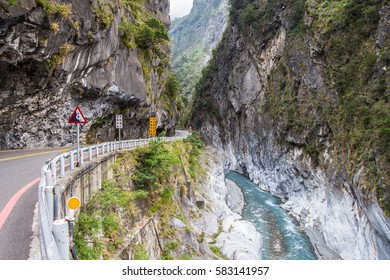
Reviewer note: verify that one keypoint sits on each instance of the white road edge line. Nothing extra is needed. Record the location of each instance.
(35, 252)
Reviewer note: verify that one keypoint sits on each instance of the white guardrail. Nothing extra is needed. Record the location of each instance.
(54, 230)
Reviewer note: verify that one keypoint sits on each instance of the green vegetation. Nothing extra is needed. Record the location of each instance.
(56, 59)
(150, 34)
(259, 15)
(185, 257)
(146, 35)
(168, 248)
(330, 14)
(197, 147)
(55, 27)
(172, 86)
(187, 68)
(136, 7)
(171, 97)
(217, 251)
(52, 7)
(101, 217)
(7, 4)
(190, 50)
(139, 252)
(203, 100)
(143, 187)
(127, 31)
(362, 120)
(104, 13)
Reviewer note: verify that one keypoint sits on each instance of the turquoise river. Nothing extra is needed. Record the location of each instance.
(282, 238)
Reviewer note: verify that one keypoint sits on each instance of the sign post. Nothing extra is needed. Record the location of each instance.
(119, 125)
(77, 118)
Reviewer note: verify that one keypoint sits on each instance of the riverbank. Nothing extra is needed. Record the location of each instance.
(221, 226)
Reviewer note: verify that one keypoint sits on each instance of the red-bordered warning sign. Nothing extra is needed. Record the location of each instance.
(77, 117)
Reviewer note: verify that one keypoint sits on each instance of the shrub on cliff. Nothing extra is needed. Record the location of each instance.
(150, 34)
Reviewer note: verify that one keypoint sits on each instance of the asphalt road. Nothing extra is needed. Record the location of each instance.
(18, 196)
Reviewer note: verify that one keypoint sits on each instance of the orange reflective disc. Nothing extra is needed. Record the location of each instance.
(74, 203)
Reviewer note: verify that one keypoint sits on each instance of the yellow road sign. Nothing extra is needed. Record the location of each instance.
(152, 126)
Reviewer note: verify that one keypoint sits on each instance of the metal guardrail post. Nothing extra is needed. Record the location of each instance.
(81, 157)
(48, 248)
(57, 201)
(48, 178)
(71, 161)
(90, 153)
(53, 166)
(62, 166)
(97, 151)
(49, 193)
(61, 237)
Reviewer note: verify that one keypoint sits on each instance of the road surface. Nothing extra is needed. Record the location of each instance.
(19, 178)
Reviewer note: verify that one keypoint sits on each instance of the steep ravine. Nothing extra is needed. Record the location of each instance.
(263, 103)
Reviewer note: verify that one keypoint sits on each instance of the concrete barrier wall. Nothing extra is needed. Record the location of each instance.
(87, 181)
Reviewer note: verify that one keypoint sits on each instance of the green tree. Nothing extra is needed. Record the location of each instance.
(150, 34)
(172, 86)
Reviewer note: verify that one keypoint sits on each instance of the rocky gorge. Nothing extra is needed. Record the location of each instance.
(295, 96)
(276, 100)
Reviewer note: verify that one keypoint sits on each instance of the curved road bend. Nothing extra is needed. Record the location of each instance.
(19, 178)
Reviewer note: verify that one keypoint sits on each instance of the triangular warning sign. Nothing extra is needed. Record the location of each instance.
(77, 117)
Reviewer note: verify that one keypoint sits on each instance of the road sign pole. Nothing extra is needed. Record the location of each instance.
(77, 118)
(119, 126)
(78, 144)
(120, 145)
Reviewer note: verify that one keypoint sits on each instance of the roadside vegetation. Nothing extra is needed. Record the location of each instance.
(147, 182)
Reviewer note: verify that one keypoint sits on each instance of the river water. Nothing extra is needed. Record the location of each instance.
(282, 239)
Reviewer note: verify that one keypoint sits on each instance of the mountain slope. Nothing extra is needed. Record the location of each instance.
(194, 37)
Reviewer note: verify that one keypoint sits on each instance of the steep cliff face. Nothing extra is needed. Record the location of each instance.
(108, 57)
(194, 37)
(297, 96)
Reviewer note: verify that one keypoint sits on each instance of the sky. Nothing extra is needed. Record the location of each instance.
(180, 8)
